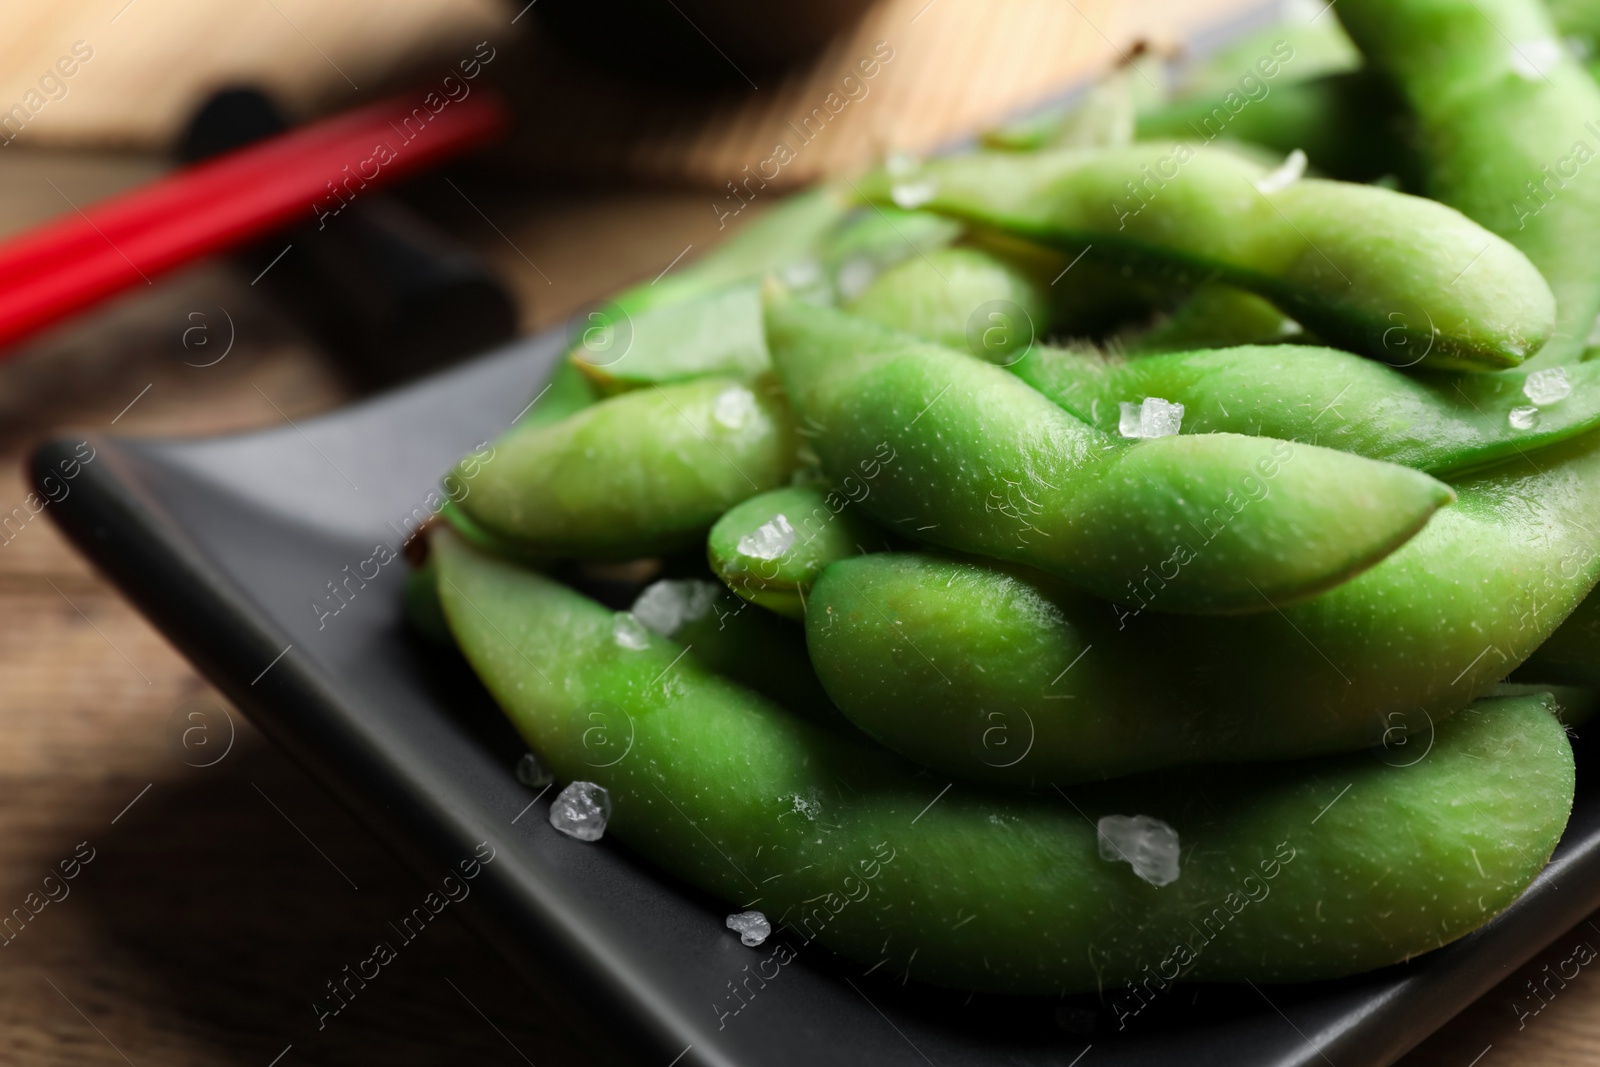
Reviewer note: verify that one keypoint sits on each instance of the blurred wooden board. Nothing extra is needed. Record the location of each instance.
(944, 69)
(150, 62)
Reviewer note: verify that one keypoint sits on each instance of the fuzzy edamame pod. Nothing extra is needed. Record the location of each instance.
(996, 302)
(1507, 120)
(645, 472)
(936, 656)
(963, 298)
(1350, 262)
(785, 234)
(1214, 316)
(875, 239)
(836, 840)
(715, 334)
(706, 332)
(1438, 422)
(738, 641)
(770, 548)
(983, 463)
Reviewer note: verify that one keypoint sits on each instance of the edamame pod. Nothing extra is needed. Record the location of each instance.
(1437, 422)
(645, 472)
(785, 234)
(1002, 892)
(1352, 263)
(936, 657)
(770, 548)
(962, 298)
(876, 239)
(715, 334)
(1508, 123)
(739, 642)
(717, 331)
(1214, 316)
(996, 304)
(975, 460)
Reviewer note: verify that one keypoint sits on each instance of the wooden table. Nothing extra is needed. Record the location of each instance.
(219, 900)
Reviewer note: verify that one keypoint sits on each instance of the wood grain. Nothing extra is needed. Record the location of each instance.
(951, 67)
(151, 62)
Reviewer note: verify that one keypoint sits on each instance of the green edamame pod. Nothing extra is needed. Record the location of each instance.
(1001, 892)
(1437, 422)
(770, 548)
(739, 642)
(656, 328)
(1507, 123)
(874, 240)
(1215, 316)
(975, 460)
(997, 298)
(918, 652)
(716, 334)
(717, 331)
(1350, 262)
(645, 472)
(787, 233)
(502, 546)
(962, 298)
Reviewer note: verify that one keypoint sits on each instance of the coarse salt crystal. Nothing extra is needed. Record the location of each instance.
(581, 810)
(770, 540)
(1146, 844)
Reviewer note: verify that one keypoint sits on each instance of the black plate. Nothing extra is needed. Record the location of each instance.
(226, 544)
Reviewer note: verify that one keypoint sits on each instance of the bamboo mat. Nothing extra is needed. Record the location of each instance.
(942, 69)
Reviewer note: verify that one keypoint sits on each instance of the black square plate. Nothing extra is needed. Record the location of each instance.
(227, 543)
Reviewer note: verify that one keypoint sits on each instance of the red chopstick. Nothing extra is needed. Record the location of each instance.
(81, 258)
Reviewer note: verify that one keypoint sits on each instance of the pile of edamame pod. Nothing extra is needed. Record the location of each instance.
(1151, 545)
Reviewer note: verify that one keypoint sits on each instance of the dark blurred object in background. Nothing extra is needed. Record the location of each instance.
(695, 42)
(389, 292)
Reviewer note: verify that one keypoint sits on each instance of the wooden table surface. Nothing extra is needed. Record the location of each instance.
(218, 900)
